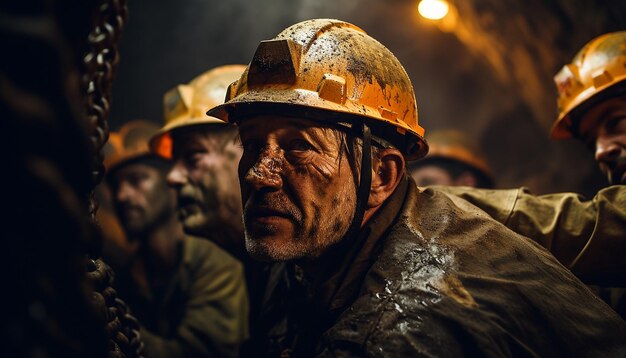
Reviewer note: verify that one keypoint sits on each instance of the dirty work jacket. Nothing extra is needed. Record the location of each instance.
(588, 237)
(432, 277)
(202, 313)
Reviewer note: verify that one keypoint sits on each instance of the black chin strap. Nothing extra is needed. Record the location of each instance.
(365, 182)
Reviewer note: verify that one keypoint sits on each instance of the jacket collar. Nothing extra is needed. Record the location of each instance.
(348, 262)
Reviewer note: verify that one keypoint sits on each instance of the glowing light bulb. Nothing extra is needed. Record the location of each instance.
(433, 9)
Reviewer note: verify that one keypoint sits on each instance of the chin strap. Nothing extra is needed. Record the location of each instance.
(365, 182)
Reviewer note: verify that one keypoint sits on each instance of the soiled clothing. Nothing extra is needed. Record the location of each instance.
(587, 236)
(429, 276)
(203, 312)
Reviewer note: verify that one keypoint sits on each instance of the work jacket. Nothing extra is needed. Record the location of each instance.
(429, 276)
(587, 236)
(203, 311)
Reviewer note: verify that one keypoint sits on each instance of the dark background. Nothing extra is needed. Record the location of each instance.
(488, 75)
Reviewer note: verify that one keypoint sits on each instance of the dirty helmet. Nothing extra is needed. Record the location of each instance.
(597, 72)
(186, 104)
(332, 70)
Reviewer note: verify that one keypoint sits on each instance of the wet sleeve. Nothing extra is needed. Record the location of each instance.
(587, 236)
(215, 321)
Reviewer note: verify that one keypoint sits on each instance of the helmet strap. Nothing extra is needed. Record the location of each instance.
(365, 182)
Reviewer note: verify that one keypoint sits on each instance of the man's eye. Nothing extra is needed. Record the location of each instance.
(614, 122)
(192, 157)
(300, 145)
(135, 180)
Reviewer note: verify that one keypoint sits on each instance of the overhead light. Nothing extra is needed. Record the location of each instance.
(433, 9)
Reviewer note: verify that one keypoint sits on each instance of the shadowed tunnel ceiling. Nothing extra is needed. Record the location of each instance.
(489, 75)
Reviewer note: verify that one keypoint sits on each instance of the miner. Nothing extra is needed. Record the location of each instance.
(372, 264)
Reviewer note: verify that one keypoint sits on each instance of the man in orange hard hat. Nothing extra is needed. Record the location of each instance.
(587, 236)
(188, 294)
(592, 102)
(372, 264)
(205, 153)
(453, 159)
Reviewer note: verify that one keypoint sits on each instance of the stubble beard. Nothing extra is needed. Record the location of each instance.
(326, 230)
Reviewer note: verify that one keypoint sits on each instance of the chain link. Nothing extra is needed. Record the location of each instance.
(100, 63)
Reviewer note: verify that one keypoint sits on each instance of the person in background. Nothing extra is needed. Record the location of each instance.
(453, 159)
(116, 249)
(205, 152)
(374, 265)
(188, 294)
(587, 236)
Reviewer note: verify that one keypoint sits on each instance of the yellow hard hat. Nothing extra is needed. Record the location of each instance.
(331, 67)
(186, 104)
(129, 143)
(455, 145)
(597, 67)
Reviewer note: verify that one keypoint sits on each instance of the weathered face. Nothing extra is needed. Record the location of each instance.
(142, 198)
(205, 177)
(432, 175)
(297, 187)
(603, 128)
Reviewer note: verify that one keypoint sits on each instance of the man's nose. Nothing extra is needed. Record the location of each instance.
(124, 192)
(178, 174)
(607, 150)
(266, 172)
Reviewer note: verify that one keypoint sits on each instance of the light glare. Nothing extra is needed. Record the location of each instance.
(433, 9)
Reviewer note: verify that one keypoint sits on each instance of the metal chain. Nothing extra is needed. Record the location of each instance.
(122, 327)
(100, 63)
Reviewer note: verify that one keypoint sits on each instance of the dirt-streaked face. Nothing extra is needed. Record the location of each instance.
(297, 187)
(603, 128)
(204, 175)
(141, 197)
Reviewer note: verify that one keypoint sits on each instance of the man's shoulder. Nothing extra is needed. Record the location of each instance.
(427, 297)
(433, 211)
(400, 309)
(448, 276)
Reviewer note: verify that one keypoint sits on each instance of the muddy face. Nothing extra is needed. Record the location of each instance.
(297, 187)
(205, 177)
(603, 128)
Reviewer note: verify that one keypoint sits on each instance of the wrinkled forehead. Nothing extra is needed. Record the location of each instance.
(201, 136)
(264, 125)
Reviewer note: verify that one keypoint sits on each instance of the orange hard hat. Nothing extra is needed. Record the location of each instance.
(186, 104)
(455, 145)
(595, 70)
(331, 70)
(129, 143)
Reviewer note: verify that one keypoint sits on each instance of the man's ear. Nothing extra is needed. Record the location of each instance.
(387, 171)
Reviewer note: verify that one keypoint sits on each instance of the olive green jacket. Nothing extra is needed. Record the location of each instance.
(587, 236)
(432, 276)
(203, 312)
